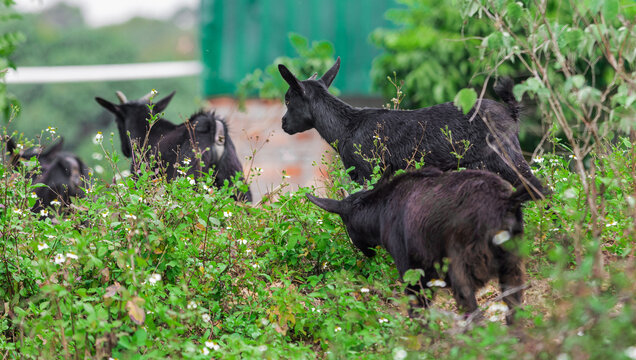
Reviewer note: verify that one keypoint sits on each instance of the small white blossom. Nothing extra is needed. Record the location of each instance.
(51, 129)
(212, 345)
(56, 203)
(383, 320)
(286, 176)
(256, 266)
(104, 213)
(20, 146)
(436, 282)
(181, 172)
(59, 259)
(99, 169)
(319, 221)
(227, 214)
(98, 138)
(501, 237)
(192, 181)
(242, 241)
(153, 92)
(538, 160)
(192, 305)
(71, 256)
(17, 211)
(376, 137)
(569, 193)
(364, 290)
(630, 352)
(338, 328)
(125, 173)
(97, 156)
(580, 333)
(400, 354)
(42, 246)
(573, 157)
(186, 161)
(44, 212)
(154, 278)
(205, 318)
(205, 351)
(262, 348)
(34, 195)
(613, 223)
(130, 216)
(259, 170)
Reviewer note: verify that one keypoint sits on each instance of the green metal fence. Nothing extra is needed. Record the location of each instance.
(238, 36)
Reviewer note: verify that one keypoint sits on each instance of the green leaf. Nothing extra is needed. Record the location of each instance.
(412, 276)
(514, 12)
(465, 99)
(610, 9)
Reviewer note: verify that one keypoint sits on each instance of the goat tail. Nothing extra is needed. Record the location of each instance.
(503, 89)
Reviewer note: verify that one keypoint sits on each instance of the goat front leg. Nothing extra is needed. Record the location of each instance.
(463, 289)
(511, 277)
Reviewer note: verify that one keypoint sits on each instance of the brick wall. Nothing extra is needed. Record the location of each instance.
(258, 132)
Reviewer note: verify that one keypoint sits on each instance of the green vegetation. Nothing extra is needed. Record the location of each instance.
(143, 269)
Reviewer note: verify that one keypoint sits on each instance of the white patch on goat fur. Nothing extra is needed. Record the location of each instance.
(501, 237)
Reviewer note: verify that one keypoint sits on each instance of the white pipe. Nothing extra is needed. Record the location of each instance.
(88, 73)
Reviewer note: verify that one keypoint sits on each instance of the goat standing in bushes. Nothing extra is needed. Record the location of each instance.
(408, 134)
(64, 174)
(203, 133)
(424, 216)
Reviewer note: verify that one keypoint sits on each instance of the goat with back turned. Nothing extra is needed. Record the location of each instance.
(492, 133)
(424, 216)
(204, 134)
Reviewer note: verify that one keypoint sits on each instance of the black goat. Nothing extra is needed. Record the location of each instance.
(424, 216)
(203, 134)
(64, 174)
(410, 134)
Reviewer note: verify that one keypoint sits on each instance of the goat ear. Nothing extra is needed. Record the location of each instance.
(333, 206)
(290, 79)
(162, 104)
(328, 77)
(52, 150)
(109, 106)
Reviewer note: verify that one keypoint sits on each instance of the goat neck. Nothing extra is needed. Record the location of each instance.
(332, 116)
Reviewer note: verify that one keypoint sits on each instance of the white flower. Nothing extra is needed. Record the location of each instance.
(42, 246)
(538, 160)
(436, 282)
(99, 169)
(130, 216)
(573, 157)
(286, 176)
(212, 345)
(186, 161)
(97, 156)
(104, 213)
(262, 348)
(153, 92)
(259, 170)
(400, 354)
(154, 278)
(44, 212)
(17, 211)
(192, 305)
(338, 328)
(256, 266)
(319, 221)
(630, 352)
(227, 214)
(580, 333)
(50, 236)
(364, 290)
(205, 318)
(613, 223)
(71, 256)
(51, 129)
(56, 203)
(20, 146)
(192, 181)
(569, 193)
(98, 138)
(383, 320)
(501, 237)
(181, 172)
(59, 259)
(125, 173)
(34, 195)
(242, 241)
(376, 137)
(205, 351)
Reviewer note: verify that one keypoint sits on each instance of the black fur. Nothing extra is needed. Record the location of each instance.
(64, 174)
(409, 134)
(424, 216)
(204, 133)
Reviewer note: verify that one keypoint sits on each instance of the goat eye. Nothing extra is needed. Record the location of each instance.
(286, 102)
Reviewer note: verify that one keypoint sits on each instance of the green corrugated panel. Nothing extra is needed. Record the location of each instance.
(238, 36)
